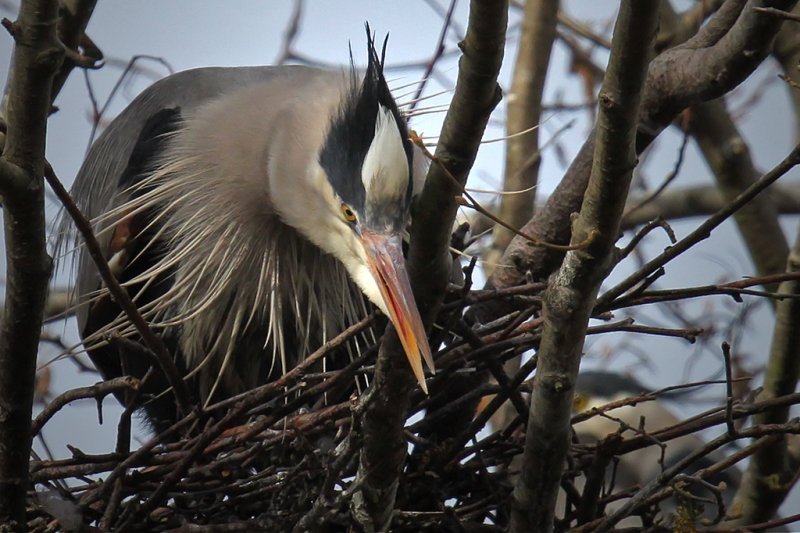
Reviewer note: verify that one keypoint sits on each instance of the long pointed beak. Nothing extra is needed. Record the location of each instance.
(385, 253)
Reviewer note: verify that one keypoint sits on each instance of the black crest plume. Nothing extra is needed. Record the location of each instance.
(351, 131)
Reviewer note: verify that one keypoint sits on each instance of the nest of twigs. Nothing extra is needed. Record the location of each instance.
(285, 456)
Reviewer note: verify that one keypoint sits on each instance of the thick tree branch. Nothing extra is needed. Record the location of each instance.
(74, 16)
(728, 156)
(568, 302)
(771, 473)
(476, 95)
(701, 201)
(787, 52)
(674, 28)
(718, 26)
(37, 56)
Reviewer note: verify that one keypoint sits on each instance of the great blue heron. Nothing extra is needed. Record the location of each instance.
(248, 211)
(596, 388)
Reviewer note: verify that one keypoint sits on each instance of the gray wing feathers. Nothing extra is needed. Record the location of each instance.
(96, 187)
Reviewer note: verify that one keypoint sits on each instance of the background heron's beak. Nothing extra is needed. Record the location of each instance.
(385, 254)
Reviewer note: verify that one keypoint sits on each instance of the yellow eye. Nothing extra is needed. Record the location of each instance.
(348, 213)
(580, 402)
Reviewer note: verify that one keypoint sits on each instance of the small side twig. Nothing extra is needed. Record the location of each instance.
(657, 222)
(726, 353)
(437, 55)
(98, 392)
(703, 231)
(777, 13)
(153, 341)
(469, 201)
(679, 483)
(667, 180)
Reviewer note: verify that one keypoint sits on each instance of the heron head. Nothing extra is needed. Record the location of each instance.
(367, 159)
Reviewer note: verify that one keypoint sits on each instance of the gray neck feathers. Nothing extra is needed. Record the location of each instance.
(250, 297)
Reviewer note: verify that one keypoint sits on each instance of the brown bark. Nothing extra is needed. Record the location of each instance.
(728, 156)
(703, 200)
(523, 111)
(787, 52)
(37, 56)
(772, 471)
(569, 300)
(74, 16)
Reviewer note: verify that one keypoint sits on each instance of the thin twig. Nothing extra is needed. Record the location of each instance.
(98, 392)
(667, 180)
(777, 13)
(474, 204)
(726, 353)
(153, 341)
(703, 231)
(437, 55)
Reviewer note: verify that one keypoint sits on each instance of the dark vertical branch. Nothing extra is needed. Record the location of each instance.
(476, 95)
(523, 111)
(72, 23)
(772, 470)
(37, 56)
(787, 52)
(569, 299)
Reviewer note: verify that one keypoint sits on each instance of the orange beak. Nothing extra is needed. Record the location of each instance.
(388, 267)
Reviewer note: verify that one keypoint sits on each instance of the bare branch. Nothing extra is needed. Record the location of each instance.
(37, 56)
(608, 522)
(98, 392)
(729, 158)
(72, 23)
(734, 289)
(569, 301)
(523, 111)
(437, 54)
(699, 201)
(787, 52)
(771, 473)
(290, 34)
(702, 231)
(151, 340)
